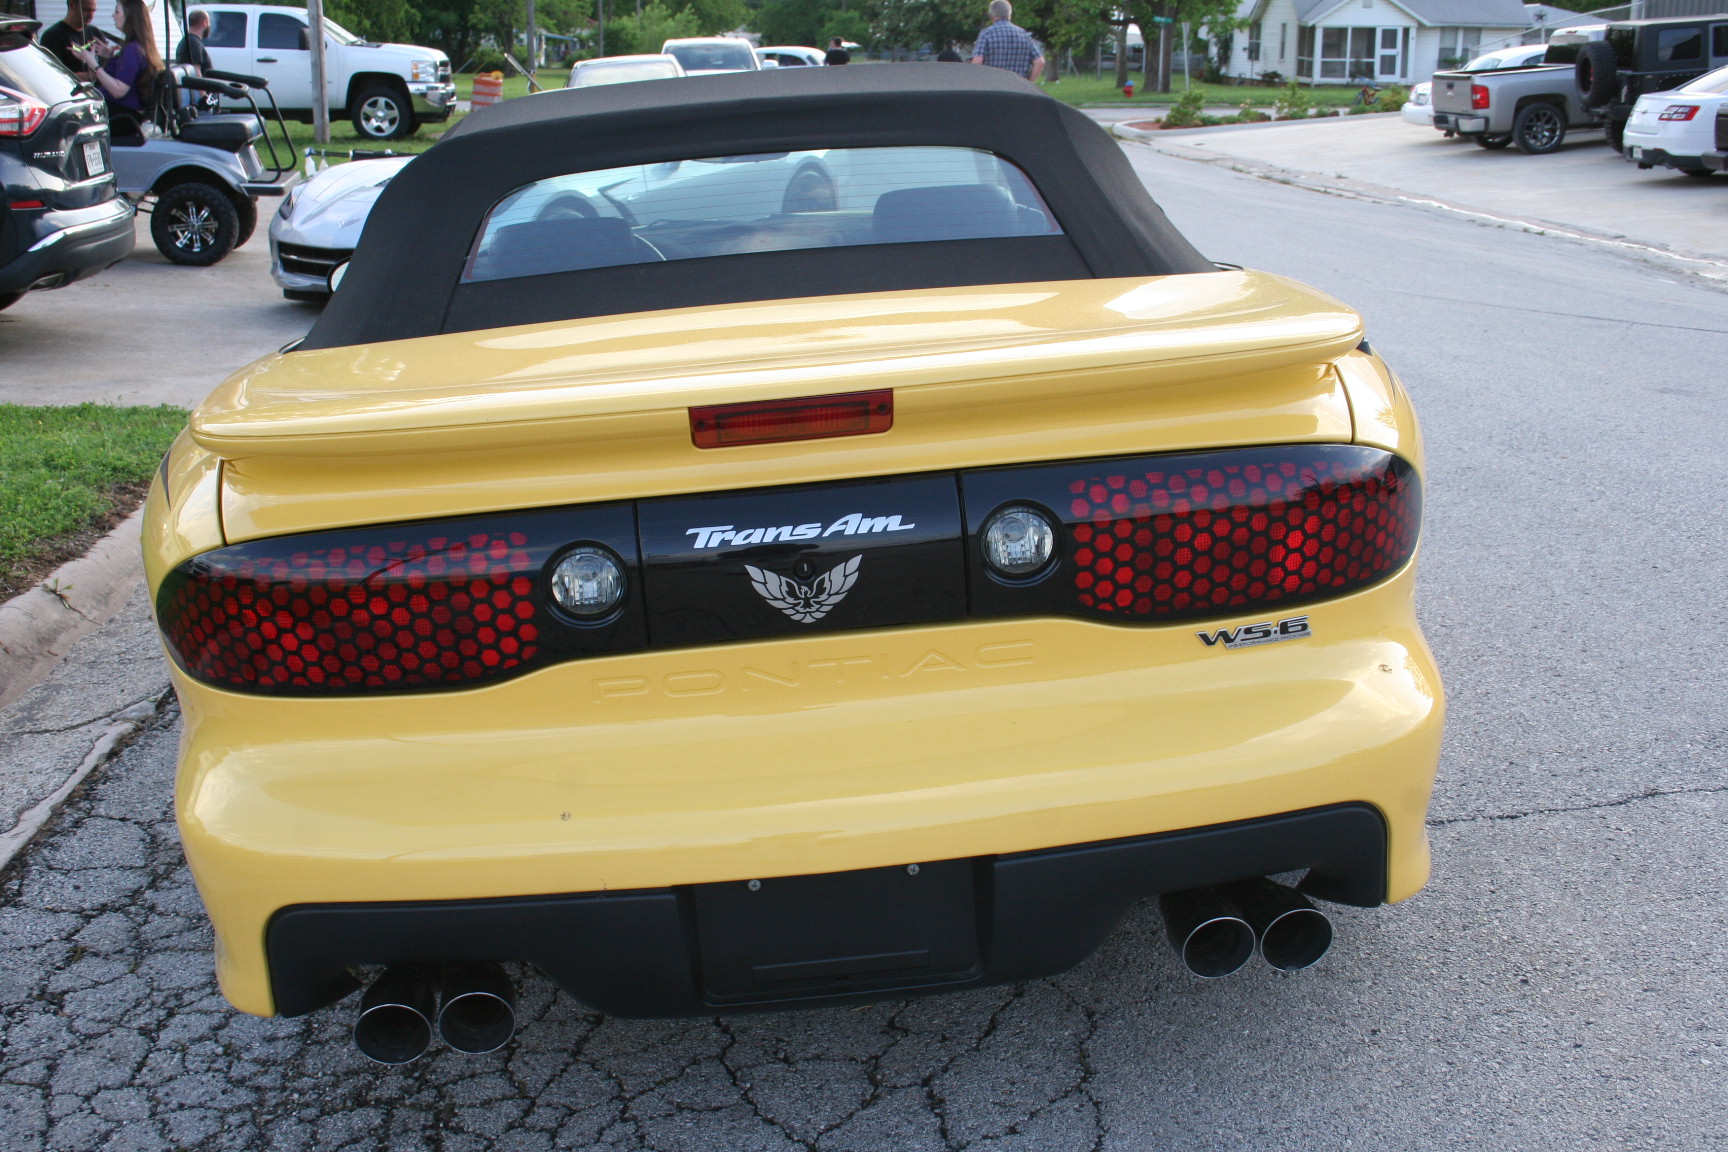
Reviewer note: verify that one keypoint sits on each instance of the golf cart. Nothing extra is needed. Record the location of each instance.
(199, 174)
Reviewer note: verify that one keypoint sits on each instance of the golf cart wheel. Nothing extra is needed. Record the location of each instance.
(1483, 140)
(7, 299)
(383, 113)
(194, 224)
(246, 208)
(1539, 128)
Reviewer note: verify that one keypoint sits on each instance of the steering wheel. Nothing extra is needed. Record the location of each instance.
(567, 204)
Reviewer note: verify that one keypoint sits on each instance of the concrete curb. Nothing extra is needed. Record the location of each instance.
(37, 627)
(110, 739)
(1123, 130)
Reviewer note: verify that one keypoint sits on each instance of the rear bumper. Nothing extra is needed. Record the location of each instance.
(825, 939)
(670, 770)
(86, 241)
(1462, 124)
(1715, 161)
(1646, 156)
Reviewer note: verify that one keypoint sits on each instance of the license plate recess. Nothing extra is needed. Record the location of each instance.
(869, 930)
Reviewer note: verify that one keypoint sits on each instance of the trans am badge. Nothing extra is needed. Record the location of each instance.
(806, 602)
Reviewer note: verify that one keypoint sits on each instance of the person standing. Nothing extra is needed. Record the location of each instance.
(1008, 46)
(837, 53)
(66, 37)
(191, 50)
(949, 55)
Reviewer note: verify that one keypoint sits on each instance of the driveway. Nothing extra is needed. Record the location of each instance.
(1582, 186)
(147, 331)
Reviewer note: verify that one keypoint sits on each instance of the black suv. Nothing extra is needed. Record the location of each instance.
(61, 217)
(1638, 57)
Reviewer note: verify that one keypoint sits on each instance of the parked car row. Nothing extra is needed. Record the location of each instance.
(1657, 89)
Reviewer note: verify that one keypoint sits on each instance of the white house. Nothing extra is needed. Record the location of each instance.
(1387, 41)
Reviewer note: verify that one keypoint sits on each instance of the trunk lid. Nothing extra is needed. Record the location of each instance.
(1452, 91)
(598, 409)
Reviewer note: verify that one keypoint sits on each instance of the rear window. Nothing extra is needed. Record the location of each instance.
(227, 30)
(589, 76)
(1679, 45)
(713, 57)
(26, 68)
(775, 202)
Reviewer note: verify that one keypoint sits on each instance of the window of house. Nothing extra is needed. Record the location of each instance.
(1458, 45)
(1283, 30)
(1305, 53)
(1254, 40)
(1347, 53)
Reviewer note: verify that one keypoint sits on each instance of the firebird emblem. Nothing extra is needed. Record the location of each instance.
(806, 603)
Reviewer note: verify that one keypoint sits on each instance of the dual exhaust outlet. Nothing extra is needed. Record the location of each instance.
(1216, 930)
(472, 1006)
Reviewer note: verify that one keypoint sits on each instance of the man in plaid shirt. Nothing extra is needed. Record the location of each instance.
(1007, 45)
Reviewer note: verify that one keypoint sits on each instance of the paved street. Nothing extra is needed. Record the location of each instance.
(1562, 984)
(146, 331)
(1582, 185)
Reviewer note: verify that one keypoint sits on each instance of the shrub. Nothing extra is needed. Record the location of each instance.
(1271, 79)
(1292, 103)
(1391, 98)
(1246, 113)
(488, 60)
(1185, 110)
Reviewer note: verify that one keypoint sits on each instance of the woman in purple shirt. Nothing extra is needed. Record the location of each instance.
(126, 76)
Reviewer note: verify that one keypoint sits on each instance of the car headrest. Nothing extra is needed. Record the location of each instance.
(945, 212)
(560, 243)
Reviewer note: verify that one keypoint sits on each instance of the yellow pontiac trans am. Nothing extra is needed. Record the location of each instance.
(771, 540)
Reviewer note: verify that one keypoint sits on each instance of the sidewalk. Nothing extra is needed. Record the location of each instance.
(1583, 187)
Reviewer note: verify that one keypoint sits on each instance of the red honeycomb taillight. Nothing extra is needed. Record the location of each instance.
(409, 611)
(1219, 535)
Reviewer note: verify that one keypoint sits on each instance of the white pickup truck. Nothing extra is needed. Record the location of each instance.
(387, 90)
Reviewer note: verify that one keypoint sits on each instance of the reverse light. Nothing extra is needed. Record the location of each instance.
(1478, 96)
(20, 113)
(1679, 112)
(801, 418)
(1018, 542)
(588, 583)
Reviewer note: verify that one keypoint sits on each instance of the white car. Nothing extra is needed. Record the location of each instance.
(320, 221)
(1419, 109)
(792, 56)
(1677, 129)
(624, 70)
(710, 54)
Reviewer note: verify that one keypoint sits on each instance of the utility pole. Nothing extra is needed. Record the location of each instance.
(533, 41)
(320, 98)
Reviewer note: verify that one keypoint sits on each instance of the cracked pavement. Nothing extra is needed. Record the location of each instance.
(1561, 984)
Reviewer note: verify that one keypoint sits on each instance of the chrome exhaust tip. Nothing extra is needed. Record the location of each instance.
(1206, 932)
(479, 1009)
(1292, 932)
(395, 1021)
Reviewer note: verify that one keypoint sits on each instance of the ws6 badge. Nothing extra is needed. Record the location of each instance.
(1291, 628)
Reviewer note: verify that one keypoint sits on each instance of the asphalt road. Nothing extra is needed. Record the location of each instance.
(1562, 983)
(1581, 185)
(146, 331)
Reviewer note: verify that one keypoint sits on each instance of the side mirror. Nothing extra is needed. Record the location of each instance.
(336, 275)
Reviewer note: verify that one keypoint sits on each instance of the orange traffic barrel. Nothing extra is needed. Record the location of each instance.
(488, 89)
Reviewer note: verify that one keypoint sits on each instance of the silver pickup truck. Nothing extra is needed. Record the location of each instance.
(1533, 107)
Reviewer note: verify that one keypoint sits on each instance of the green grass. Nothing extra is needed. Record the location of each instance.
(64, 471)
(1084, 89)
(343, 138)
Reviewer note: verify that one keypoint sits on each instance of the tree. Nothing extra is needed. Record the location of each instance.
(913, 23)
(378, 20)
(1160, 21)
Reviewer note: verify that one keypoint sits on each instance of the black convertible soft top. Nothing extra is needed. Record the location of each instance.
(406, 277)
